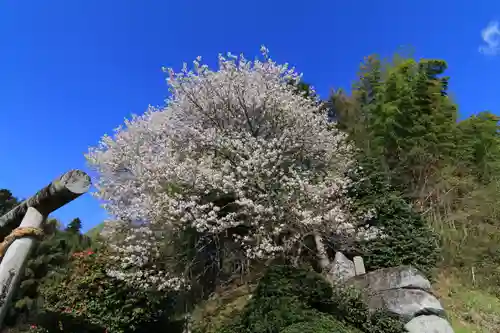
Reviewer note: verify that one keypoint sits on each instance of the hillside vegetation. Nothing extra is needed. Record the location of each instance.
(231, 201)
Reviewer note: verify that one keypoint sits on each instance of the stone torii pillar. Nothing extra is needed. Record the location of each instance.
(31, 214)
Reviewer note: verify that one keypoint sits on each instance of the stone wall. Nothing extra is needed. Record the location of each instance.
(403, 291)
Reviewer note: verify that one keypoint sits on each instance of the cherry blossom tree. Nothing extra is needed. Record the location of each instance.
(235, 153)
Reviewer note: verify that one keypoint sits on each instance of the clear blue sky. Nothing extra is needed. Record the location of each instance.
(72, 70)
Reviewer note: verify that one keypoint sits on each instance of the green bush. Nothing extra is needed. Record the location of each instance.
(288, 281)
(271, 314)
(85, 293)
(289, 298)
(409, 239)
(347, 305)
(284, 296)
(323, 324)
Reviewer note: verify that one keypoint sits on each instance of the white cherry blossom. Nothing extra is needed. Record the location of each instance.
(239, 131)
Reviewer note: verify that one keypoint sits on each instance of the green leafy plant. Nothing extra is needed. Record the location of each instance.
(323, 324)
(348, 305)
(87, 293)
(288, 299)
(408, 240)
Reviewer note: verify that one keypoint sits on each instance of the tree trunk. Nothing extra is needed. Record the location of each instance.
(323, 260)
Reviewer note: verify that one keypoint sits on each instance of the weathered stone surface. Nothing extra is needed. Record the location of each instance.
(13, 263)
(391, 278)
(342, 268)
(406, 303)
(428, 324)
(58, 193)
(405, 292)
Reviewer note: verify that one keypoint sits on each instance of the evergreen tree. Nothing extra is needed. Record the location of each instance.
(74, 226)
(479, 145)
(401, 116)
(7, 201)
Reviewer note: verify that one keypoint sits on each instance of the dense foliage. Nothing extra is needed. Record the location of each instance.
(288, 298)
(86, 293)
(7, 201)
(408, 239)
(405, 124)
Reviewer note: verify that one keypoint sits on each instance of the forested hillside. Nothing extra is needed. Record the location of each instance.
(232, 200)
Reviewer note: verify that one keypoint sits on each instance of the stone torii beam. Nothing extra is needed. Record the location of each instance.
(58, 193)
(31, 213)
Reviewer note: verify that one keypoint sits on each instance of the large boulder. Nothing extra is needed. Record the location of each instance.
(428, 324)
(406, 292)
(342, 268)
(391, 278)
(406, 303)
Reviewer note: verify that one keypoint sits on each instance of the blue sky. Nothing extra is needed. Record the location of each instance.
(73, 70)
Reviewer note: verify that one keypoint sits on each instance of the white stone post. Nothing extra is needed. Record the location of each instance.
(359, 265)
(14, 261)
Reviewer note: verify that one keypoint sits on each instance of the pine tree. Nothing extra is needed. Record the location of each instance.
(7, 201)
(74, 226)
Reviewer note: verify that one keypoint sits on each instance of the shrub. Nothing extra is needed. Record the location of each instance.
(271, 314)
(347, 305)
(289, 298)
(86, 293)
(408, 239)
(288, 281)
(284, 296)
(322, 324)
